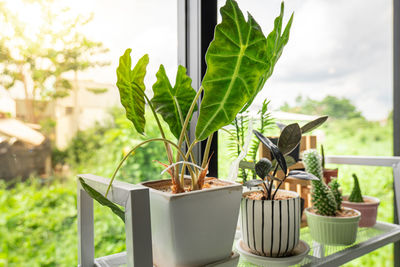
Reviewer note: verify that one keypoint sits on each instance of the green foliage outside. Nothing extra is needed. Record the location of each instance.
(38, 225)
(38, 221)
(334, 107)
(99, 149)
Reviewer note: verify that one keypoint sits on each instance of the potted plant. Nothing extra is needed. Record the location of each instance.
(193, 217)
(270, 218)
(328, 174)
(328, 221)
(368, 206)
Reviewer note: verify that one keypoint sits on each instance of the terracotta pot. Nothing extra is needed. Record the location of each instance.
(271, 227)
(330, 230)
(329, 174)
(193, 228)
(369, 209)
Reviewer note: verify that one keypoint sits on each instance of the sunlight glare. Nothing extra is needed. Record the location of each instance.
(29, 14)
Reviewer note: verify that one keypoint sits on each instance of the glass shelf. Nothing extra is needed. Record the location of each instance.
(368, 239)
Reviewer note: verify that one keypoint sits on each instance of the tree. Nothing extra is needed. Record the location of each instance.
(334, 107)
(38, 58)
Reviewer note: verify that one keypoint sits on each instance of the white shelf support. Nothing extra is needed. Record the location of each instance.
(85, 229)
(136, 201)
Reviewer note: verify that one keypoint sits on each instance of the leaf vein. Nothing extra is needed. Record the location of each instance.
(228, 37)
(217, 80)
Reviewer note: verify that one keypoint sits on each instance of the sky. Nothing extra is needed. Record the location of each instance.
(341, 47)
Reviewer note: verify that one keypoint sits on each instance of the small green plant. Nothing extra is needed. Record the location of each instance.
(323, 198)
(266, 170)
(356, 195)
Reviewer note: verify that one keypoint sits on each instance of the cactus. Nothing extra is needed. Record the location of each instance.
(322, 197)
(356, 195)
(312, 162)
(336, 192)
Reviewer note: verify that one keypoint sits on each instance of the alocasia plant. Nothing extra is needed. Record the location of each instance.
(239, 60)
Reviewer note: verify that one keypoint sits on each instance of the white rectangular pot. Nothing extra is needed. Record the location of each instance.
(271, 227)
(193, 228)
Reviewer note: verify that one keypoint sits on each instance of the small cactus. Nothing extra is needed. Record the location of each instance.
(322, 197)
(336, 192)
(356, 195)
(312, 162)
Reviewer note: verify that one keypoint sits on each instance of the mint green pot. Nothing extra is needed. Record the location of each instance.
(333, 230)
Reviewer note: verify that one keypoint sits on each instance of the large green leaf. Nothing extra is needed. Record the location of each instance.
(131, 88)
(102, 200)
(240, 59)
(170, 101)
(236, 61)
(275, 44)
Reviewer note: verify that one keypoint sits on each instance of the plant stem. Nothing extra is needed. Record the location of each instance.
(207, 150)
(188, 116)
(186, 138)
(272, 180)
(266, 191)
(184, 127)
(167, 147)
(132, 150)
(277, 188)
(186, 157)
(276, 169)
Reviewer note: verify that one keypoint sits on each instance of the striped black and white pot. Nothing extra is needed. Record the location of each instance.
(271, 227)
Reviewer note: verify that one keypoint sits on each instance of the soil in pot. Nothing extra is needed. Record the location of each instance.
(343, 213)
(258, 195)
(166, 185)
(368, 209)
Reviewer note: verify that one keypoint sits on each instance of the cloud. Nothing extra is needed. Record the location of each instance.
(342, 48)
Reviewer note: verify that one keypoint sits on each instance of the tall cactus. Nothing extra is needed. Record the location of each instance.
(312, 162)
(322, 197)
(336, 192)
(356, 195)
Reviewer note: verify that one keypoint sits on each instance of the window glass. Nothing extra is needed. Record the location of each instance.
(60, 115)
(338, 62)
